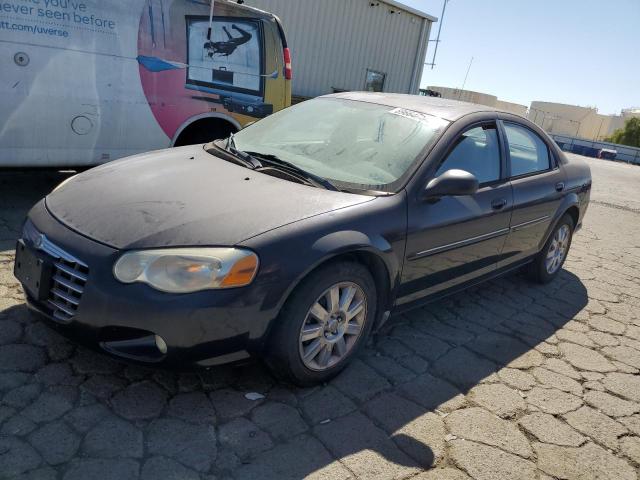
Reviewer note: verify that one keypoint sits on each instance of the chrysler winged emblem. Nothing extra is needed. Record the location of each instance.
(39, 241)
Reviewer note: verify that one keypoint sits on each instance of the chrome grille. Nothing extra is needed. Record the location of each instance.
(68, 279)
(67, 285)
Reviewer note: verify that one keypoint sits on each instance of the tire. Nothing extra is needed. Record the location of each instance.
(292, 357)
(540, 270)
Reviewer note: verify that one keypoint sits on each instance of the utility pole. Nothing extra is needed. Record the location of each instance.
(437, 40)
(465, 78)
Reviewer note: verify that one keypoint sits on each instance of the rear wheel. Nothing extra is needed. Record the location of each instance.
(549, 261)
(324, 324)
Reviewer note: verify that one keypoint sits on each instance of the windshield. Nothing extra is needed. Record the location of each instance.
(357, 144)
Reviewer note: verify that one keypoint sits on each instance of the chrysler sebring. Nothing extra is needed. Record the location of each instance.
(296, 237)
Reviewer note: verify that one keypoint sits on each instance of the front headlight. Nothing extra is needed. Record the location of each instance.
(185, 270)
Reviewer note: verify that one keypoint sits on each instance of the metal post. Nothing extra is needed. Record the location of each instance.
(435, 51)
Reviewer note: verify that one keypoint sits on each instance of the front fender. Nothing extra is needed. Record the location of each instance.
(374, 231)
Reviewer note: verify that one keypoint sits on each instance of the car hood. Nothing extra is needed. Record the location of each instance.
(184, 197)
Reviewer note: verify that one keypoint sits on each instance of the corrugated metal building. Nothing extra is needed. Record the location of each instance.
(342, 45)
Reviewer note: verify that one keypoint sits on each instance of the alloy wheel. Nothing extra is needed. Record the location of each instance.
(332, 326)
(558, 249)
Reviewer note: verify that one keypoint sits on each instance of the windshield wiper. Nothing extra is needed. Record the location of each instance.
(274, 161)
(236, 156)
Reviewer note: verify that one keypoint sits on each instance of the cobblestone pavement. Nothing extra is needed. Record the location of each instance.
(506, 381)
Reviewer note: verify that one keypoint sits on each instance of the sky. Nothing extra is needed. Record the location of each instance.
(579, 52)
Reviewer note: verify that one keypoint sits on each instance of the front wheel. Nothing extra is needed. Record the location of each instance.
(549, 261)
(324, 324)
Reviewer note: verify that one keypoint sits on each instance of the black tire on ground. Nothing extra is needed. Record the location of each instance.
(284, 355)
(537, 270)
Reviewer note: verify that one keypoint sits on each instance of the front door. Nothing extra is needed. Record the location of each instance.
(457, 239)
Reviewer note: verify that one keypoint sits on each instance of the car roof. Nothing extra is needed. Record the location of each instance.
(450, 110)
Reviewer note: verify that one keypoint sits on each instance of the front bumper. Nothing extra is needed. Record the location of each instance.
(203, 328)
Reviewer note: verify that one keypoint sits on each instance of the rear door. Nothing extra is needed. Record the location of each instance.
(538, 187)
(457, 239)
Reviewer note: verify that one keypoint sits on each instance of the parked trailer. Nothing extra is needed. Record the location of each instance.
(88, 81)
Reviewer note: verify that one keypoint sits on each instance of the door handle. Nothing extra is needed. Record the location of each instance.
(498, 203)
(559, 186)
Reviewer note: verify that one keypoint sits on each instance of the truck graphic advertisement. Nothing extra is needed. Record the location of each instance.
(119, 78)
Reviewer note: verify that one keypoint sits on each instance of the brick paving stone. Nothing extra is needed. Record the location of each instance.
(506, 351)
(627, 355)
(589, 462)
(140, 401)
(365, 449)
(463, 368)
(21, 358)
(43, 473)
(623, 384)
(279, 420)
(192, 407)
(632, 423)
(517, 379)
(630, 447)
(553, 401)
(47, 407)
(586, 358)
(432, 393)
(230, 403)
(23, 395)
(500, 399)
(481, 426)
(566, 335)
(360, 382)
(445, 473)
(389, 368)
(417, 433)
(112, 469)
(607, 325)
(563, 368)
(549, 429)
(17, 456)
(103, 386)
(56, 442)
(113, 438)
(483, 462)
(18, 425)
(556, 380)
(10, 331)
(166, 469)
(325, 404)
(596, 425)
(305, 457)
(192, 445)
(12, 380)
(244, 438)
(84, 417)
(611, 405)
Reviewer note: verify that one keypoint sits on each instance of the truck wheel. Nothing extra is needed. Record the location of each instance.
(549, 261)
(324, 324)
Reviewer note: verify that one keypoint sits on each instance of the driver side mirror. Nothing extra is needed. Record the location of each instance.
(451, 183)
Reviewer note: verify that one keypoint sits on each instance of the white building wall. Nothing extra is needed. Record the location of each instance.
(334, 42)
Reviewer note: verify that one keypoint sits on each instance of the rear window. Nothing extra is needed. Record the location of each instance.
(528, 152)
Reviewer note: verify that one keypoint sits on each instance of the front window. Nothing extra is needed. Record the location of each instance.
(477, 151)
(354, 144)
